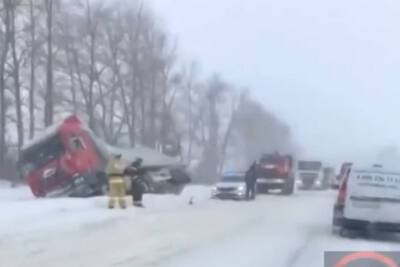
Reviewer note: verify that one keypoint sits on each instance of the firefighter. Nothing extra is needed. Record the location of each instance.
(251, 179)
(135, 172)
(115, 173)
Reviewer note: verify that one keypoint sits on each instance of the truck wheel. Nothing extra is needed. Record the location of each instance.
(289, 188)
(262, 190)
(102, 183)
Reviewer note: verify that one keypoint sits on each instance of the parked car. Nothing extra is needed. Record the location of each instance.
(368, 199)
(230, 186)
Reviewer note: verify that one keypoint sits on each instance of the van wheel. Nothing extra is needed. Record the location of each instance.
(262, 190)
(349, 233)
(335, 230)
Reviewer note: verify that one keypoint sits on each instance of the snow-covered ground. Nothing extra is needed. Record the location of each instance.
(272, 231)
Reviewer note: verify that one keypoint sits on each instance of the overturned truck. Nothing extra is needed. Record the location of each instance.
(69, 160)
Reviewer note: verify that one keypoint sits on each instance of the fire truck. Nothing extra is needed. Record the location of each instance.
(276, 171)
(68, 159)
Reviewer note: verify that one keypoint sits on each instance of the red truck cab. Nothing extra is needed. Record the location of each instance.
(275, 171)
(64, 159)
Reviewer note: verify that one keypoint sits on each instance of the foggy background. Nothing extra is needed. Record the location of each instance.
(328, 68)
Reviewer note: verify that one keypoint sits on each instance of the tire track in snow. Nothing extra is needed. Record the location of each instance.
(313, 233)
(293, 260)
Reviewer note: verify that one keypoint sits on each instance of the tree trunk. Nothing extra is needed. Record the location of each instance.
(3, 59)
(111, 116)
(133, 45)
(32, 73)
(190, 119)
(152, 120)
(92, 36)
(142, 105)
(18, 103)
(49, 99)
(213, 129)
(226, 139)
(70, 64)
(73, 85)
(132, 123)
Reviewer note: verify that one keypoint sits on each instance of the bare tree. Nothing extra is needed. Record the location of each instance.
(211, 156)
(32, 70)
(189, 86)
(3, 59)
(226, 138)
(133, 51)
(92, 32)
(16, 75)
(49, 99)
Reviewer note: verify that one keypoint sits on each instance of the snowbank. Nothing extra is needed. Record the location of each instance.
(33, 228)
(272, 231)
(24, 213)
(9, 194)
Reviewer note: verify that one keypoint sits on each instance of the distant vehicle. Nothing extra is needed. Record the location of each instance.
(68, 159)
(343, 170)
(368, 199)
(231, 186)
(275, 171)
(310, 174)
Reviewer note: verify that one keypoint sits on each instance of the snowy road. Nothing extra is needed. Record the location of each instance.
(274, 230)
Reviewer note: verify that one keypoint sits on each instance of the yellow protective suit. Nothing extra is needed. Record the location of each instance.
(115, 174)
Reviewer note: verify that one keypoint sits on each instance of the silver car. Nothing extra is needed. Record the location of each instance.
(231, 186)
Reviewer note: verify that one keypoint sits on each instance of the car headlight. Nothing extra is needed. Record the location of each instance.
(241, 188)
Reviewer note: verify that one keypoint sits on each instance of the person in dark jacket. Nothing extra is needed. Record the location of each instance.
(137, 184)
(251, 179)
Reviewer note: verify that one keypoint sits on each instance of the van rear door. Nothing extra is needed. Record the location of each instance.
(373, 195)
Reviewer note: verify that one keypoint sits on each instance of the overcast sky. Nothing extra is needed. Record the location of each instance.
(330, 69)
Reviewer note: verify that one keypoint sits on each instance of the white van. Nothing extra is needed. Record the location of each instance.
(368, 198)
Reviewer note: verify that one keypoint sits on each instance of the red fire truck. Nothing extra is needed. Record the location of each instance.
(276, 171)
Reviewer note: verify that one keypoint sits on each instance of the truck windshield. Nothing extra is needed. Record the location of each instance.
(42, 153)
(310, 165)
(232, 178)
